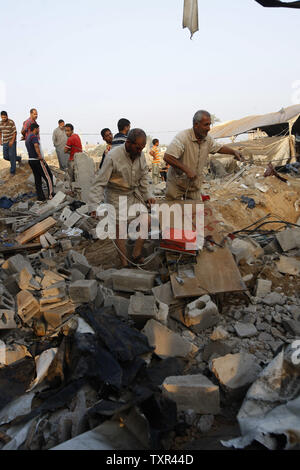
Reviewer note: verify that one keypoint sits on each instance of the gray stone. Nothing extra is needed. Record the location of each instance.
(99, 299)
(166, 342)
(236, 371)
(11, 284)
(142, 307)
(219, 334)
(205, 423)
(273, 299)
(131, 280)
(265, 337)
(245, 330)
(83, 291)
(194, 392)
(292, 327)
(293, 309)
(106, 277)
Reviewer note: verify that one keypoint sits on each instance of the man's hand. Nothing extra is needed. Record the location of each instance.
(238, 156)
(191, 174)
(0, 141)
(10, 144)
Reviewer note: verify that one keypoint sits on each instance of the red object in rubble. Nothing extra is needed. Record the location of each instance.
(205, 197)
(174, 239)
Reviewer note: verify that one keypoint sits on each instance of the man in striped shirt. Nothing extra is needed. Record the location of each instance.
(121, 137)
(26, 124)
(155, 154)
(8, 138)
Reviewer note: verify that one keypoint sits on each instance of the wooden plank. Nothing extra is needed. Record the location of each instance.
(215, 272)
(18, 249)
(36, 231)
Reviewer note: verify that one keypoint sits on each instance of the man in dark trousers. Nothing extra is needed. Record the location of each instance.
(108, 138)
(38, 165)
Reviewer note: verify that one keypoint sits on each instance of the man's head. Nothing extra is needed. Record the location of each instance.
(33, 114)
(61, 123)
(34, 128)
(201, 124)
(135, 143)
(124, 126)
(107, 135)
(4, 116)
(69, 129)
(155, 142)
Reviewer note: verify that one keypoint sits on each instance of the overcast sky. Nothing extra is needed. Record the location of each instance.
(91, 62)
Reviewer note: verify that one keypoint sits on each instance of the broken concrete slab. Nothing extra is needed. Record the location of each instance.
(195, 392)
(236, 371)
(16, 263)
(202, 312)
(166, 342)
(263, 287)
(245, 330)
(83, 291)
(131, 280)
(289, 239)
(288, 265)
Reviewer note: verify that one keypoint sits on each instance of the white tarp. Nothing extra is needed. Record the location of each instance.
(248, 123)
(190, 16)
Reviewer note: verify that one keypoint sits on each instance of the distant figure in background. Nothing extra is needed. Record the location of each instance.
(72, 146)
(8, 138)
(121, 137)
(38, 165)
(155, 154)
(164, 171)
(26, 124)
(108, 138)
(59, 139)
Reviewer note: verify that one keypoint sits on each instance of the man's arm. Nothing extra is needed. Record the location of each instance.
(229, 151)
(96, 195)
(175, 163)
(54, 138)
(37, 149)
(23, 131)
(0, 137)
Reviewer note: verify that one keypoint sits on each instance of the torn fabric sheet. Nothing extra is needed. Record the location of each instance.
(190, 16)
(272, 406)
(278, 3)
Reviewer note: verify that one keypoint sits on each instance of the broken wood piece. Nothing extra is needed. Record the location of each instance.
(55, 316)
(36, 230)
(50, 278)
(44, 242)
(26, 281)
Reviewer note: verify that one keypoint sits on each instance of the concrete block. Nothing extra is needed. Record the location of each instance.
(78, 261)
(16, 263)
(120, 304)
(11, 284)
(72, 220)
(106, 277)
(263, 287)
(66, 245)
(236, 371)
(84, 171)
(7, 301)
(166, 342)
(245, 330)
(57, 200)
(195, 392)
(28, 306)
(76, 275)
(142, 308)
(83, 291)
(131, 280)
(7, 319)
(202, 312)
(289, 239)
(66, 213)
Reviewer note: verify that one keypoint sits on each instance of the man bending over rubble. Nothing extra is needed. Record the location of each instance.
(188, 156)
(124, 173)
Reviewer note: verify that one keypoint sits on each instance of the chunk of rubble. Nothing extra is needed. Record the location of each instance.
(263, 287)
(12, 353)
(246, 250)
(130, 280)
(219, 334)
(7, 319)
(236, 371)
(16, 263)
(166, 342)
(28, 306)
(289, 239)
(288, 265)
(83, 291)
(195, 392)
(245, 330)
(273, 299)
(202, 312)
(145, 307)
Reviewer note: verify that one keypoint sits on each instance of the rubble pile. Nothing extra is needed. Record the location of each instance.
(97, 357)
